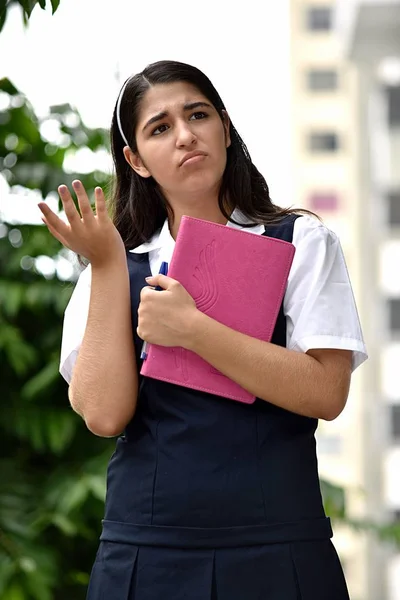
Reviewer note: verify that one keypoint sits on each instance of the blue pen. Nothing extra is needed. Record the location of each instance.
(163, 271)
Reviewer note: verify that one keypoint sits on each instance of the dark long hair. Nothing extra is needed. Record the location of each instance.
(138, 205)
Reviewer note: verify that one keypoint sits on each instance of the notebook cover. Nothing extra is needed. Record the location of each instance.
(236, 277)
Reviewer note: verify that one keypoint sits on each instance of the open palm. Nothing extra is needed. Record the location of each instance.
(93, 235)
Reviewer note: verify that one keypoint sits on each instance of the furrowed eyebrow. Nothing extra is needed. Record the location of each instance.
(192, 105)
(156, 118)
(186, 107)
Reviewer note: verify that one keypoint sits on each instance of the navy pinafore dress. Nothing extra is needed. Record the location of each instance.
(211, 499)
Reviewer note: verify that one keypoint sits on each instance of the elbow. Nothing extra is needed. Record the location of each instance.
(107, 426)
(331, 413)
(97, 421)
(103, 428)
(334, 407)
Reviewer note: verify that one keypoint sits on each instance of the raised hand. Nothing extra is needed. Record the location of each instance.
(94, 236)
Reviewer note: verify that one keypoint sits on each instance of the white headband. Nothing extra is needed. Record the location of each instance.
(118, 111)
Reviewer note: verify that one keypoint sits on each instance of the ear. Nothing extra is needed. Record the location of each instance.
(134, 160)
(227, 123)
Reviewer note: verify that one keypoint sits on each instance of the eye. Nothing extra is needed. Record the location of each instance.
(159, 130)
(198, 115)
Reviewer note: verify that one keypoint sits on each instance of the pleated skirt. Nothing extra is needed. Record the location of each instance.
(290, 571)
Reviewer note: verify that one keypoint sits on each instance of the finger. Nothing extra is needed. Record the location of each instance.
(69, 207)
(53, 220)
(144, 292)
(83, 200)
(162, 281)
(100, 203)
(55, 233)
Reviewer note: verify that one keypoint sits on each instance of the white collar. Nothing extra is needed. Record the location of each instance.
(163, 237)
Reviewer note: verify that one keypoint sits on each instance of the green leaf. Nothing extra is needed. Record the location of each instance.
(74, 496)
(14, 592)
(55, 5)
(37, 434)
(3, 17)
(7, 571)
(41, 381)
(42, 3)
(28, 6)
(80, 578)
(11, 297)
(20, 354)
(8, 87)
(60, 430)
(334, 499)
(97, 485)
(66, 525)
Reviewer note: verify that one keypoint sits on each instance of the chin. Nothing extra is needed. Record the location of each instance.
(201, 183)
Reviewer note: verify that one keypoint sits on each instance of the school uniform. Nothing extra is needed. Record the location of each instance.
(212, 499)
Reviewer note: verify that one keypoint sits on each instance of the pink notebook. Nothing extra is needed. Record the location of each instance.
(237, 278)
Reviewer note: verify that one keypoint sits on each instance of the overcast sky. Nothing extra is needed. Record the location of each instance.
(85, 51)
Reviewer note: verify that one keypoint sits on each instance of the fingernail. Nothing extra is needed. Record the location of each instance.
(62, 189)
(148, 278)
(76, 183)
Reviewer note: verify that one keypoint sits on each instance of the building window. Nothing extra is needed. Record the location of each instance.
(323, 142)
(321, 80)
(394, 314)
(319, 18)
(323, 202)
(395, 421)
(394, 208)
(393, 95)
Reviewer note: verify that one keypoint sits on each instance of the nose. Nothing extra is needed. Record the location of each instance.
(184, 134)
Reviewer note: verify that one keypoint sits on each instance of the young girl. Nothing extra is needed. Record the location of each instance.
(207, 498)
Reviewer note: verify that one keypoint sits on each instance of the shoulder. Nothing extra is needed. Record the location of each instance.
(319, 253)
(310, 231)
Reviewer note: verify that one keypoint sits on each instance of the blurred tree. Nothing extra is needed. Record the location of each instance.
(52, 472)
(27, 7)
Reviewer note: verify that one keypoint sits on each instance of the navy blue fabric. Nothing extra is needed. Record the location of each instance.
(211, 498)
(292, 571)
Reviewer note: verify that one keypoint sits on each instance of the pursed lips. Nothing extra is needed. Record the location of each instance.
(191, 156)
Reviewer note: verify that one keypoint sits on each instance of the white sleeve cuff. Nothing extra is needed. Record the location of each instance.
(67, 365)
(334, 343)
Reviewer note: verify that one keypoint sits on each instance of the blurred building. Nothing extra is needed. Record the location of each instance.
(345, 61)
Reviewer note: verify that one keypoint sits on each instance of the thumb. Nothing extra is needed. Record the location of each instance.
(160, 281)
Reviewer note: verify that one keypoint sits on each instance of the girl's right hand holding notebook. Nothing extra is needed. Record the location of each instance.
(91, 235)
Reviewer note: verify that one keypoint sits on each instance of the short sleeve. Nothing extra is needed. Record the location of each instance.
(75, 318)
(319, 302)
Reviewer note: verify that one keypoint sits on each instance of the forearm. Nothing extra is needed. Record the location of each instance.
(103, 389)
(292, 380)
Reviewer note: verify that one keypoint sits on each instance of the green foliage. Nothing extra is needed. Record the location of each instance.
(27, 7)
(334, 500)
(52, 470)
(28, 159)
(335, 506)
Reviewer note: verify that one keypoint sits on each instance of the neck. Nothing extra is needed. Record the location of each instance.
(205, 208)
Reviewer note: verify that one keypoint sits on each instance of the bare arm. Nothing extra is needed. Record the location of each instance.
(315, 384)
(103, 388)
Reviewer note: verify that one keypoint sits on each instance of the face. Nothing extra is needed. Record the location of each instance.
(181, 141)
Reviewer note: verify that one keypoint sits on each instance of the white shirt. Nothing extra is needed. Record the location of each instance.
(319, 303)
